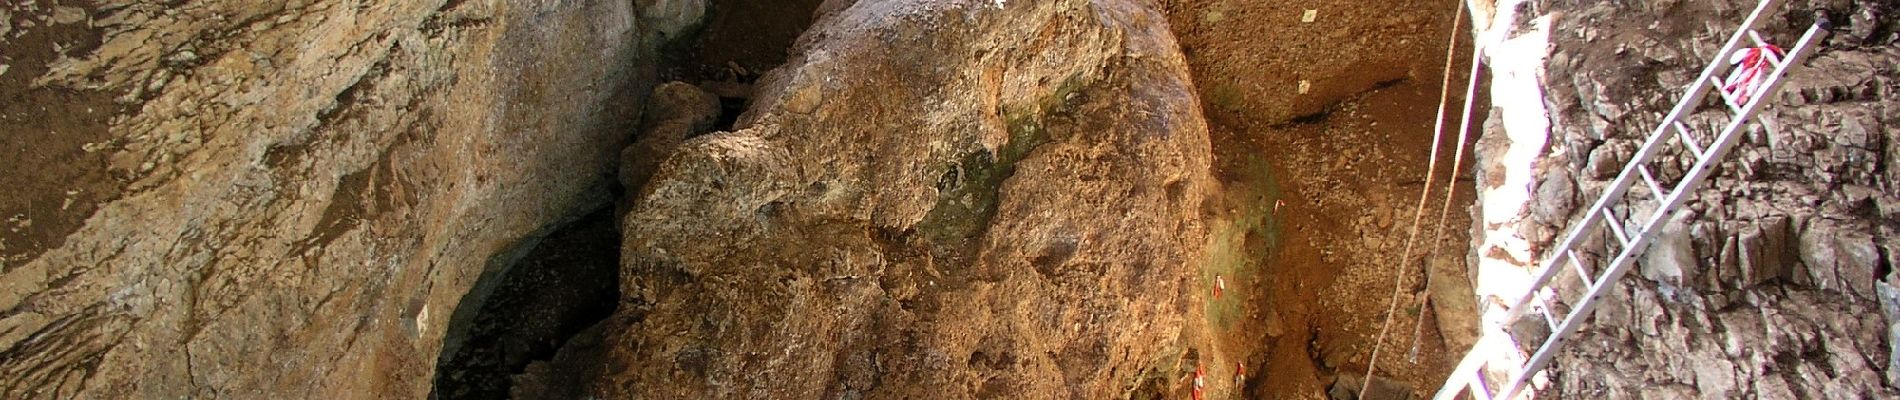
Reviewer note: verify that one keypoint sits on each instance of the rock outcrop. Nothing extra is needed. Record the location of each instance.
(253, 199)
(1773, 282)
(930, 199)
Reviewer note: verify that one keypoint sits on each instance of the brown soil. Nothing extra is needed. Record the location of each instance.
(1320, 186)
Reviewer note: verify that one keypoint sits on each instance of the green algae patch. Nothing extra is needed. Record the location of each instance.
(1239, 248)
(969, 189)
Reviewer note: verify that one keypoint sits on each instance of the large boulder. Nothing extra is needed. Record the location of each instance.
(264, 199)
(930, 199)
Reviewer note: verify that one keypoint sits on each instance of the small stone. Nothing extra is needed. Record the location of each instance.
(181, 59)
(1556, 196)
(66, 15)
(1763, 252)
(1889, 299)
(1893, 358)
(1604, 163)
(158, 83)
(1214, 17)
(1309, 16)
(1671, 259)
(1840, 259)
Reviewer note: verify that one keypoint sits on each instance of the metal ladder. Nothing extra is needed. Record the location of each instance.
(1497, 341)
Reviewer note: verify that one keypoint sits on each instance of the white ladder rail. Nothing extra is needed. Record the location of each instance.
(1636, 240)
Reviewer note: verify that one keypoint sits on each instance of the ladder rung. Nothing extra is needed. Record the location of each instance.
(1577, 263)
(1549, 311)
(1682, 132)
(1477, 386)
(1722, 91)
(1756, 36)
(1651, 180)
(1773, 60)
(1616, 227)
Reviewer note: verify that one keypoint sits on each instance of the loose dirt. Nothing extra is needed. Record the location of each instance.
(1322, 132)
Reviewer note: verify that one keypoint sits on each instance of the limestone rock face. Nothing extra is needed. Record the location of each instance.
(287, 199)
(674, 112)
(1772, 282)
(930, 199)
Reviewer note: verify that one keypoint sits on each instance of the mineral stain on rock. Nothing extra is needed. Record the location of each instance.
(55, 150)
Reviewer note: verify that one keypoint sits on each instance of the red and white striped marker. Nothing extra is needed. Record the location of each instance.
(1751, 65)
(1200, 382)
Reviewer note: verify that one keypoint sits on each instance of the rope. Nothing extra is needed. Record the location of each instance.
(1444, 211)
(1418, 214)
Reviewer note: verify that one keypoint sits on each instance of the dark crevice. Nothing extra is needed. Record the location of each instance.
(534, 324)
(741, 41)
(562, 283)
(1325, 113)
(1883, 264)
(729, 110)
(1309, 119)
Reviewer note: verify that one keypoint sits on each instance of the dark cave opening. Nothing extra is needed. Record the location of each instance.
(557, 285)
(740, 42)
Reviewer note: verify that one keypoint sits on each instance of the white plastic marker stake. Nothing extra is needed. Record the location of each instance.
(1310, 16)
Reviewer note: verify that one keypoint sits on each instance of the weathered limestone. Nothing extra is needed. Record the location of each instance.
(247, 199)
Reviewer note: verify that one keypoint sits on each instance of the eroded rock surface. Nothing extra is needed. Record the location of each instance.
(250, 199)
(1770, 285)
(931, 199)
